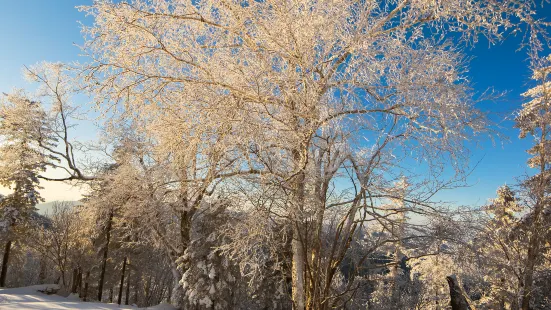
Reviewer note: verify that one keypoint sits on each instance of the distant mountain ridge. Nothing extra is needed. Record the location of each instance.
(46, 207)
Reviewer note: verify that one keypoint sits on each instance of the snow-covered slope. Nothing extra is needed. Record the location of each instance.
(29, 298)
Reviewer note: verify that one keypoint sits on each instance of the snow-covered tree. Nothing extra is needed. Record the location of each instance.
(502, 245)
(109, 194)
(431, 272)
(22, 124)
(285, 90)
(534, 119)
(62, 237)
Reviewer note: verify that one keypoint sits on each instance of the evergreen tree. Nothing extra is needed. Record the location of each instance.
(502, 243)
(22, 124)
(535, 119)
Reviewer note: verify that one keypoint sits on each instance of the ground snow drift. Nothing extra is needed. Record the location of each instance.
(29, 298)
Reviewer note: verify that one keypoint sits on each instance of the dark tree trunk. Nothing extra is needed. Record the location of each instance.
(127, 288)
(458, 300)
(79, 280)
(148, 290)
(119, 300)
(169, 293)
(136, 284)
(5, 260)
(105, 255)
(74, 284)
(111, 295)
(42, 272)
(85, 293)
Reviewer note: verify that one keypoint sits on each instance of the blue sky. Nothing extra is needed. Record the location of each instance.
(36, 30)
(32, 31)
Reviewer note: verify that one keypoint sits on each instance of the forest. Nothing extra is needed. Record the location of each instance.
(279, 154)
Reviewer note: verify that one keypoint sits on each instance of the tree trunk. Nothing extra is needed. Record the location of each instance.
(529, 274)
(85, 293)
(5, 260)
(297, 246)
(298, 271)
(148, 290)
(79, 280)
(127, 287)
(62, 277)
(42, 272)
(74, 283)
(458, 300)
(105, 255)
(395, 274)
(119, 300)
(111, 295)
(136, 284)
(169, 293)
(314, 300)
(177, 293)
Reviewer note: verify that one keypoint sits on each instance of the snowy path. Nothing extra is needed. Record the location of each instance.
(28, 298)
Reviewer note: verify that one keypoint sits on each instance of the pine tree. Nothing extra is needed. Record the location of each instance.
(22, 124)
(535, 119)
(502, 243)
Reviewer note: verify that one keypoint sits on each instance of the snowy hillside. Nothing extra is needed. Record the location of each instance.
(29, 298)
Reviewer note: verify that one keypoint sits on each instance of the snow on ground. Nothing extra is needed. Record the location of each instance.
(28, 298)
